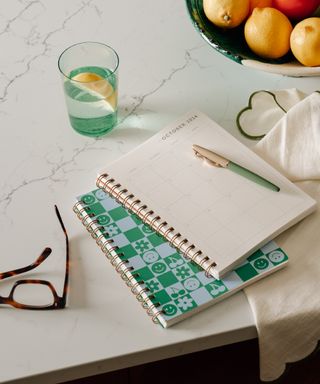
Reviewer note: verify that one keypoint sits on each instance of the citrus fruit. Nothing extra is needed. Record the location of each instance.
(259, 4)
(296, 9)
(94, 82)
(86, 77)
(305, 41)
(226, 13)
(267, 33)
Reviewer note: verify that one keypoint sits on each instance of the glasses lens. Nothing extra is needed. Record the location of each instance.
(33, 294)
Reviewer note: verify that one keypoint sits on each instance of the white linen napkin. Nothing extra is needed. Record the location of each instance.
(286, 305)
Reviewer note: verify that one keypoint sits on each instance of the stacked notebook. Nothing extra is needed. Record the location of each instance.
(169, 286)
(182, 234)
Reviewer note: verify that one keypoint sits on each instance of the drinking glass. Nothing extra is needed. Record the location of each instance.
(89, 72)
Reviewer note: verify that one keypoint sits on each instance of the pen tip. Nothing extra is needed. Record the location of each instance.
(195, 149)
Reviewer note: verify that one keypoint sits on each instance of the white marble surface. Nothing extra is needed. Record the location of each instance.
(165, 69)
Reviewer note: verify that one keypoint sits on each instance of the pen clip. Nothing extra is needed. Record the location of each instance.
(210, 157)
(211, 162)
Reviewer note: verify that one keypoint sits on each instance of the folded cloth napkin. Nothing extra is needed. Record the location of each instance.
(286, 305)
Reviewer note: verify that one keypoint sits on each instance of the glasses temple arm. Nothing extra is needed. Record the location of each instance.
(44, 254)
(66, 279)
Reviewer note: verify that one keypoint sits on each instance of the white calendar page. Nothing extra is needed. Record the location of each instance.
(222, 213)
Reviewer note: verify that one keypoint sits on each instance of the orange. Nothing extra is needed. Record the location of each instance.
(226, 13)
(296, 9)
(305, 41)
(267, 33)
(259, 4)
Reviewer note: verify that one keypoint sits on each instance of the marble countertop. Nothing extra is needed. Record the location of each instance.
(166, 68)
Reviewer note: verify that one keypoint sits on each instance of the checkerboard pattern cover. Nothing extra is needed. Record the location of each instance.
(169, 286)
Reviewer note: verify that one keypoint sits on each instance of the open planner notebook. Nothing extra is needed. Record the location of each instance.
(169, 287)
(212, 215)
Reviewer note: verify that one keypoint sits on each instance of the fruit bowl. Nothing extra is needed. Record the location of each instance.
(231, 43)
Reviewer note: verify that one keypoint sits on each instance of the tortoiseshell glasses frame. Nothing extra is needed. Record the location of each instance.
(58, 301)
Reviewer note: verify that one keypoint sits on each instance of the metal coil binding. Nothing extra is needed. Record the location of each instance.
(146, 216)
(123, 275)
(151, 309)
(131, 202)
(119, 265)
(140, 209)
(135, 286)
(212, 264)
(169, 230)
(139, 295)
(123, 191)
(110, 250)
(125, 201)
(175, 237)
(187, 250)
(154, 220)
(204, 260)
(162, 225)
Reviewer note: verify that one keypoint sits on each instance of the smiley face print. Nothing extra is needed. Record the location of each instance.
(100, 194)
(276, 256)
(150, 256)
(261, 263)
(191, 284)
(169, 309)
(103, 219)
(147, 229)
(158, 268)
(88, 199)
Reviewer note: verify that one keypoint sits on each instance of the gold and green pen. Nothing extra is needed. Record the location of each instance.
(220, 161)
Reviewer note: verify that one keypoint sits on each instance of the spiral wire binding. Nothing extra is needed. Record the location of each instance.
(188, 250)
(126, 272)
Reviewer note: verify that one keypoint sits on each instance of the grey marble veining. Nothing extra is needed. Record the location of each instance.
(165, 69)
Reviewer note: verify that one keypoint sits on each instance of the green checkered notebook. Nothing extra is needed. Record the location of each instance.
(170, 287)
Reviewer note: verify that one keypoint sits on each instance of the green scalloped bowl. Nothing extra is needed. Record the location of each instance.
(231, 43)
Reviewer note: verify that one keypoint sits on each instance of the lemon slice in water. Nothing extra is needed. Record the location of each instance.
(95, 83)
(89, 86)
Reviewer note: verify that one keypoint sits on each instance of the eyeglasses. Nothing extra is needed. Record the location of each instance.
(40, 290)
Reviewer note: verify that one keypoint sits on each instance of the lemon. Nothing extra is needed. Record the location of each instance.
(87, 77)
(96, 86)
(226, 13)
(267, 32)
(95, 83)
(305, 41)
(259, 4)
